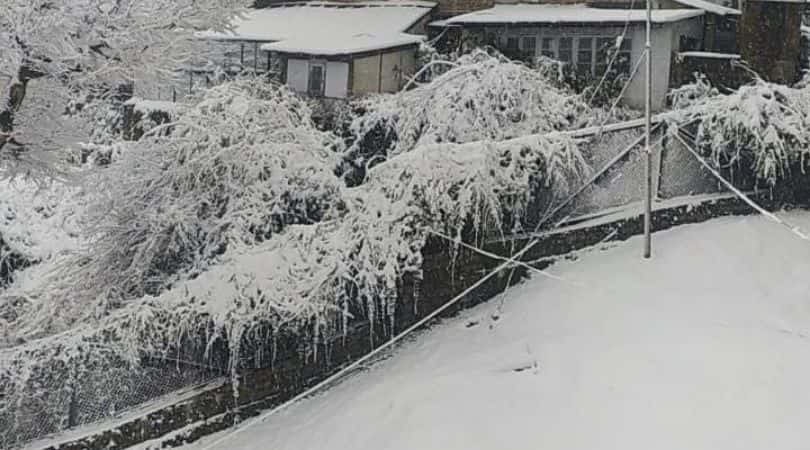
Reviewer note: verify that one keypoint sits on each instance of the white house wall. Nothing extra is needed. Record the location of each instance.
(665, 40)
(390, 72)
(337, 79)
(298, 74)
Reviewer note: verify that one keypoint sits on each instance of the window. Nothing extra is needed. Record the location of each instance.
(528, 44)
(548, 47)
(512, 43)
(585, 55)
(565, 50)
(686, 43)
(589, 54)
(604, 48)
(622, 64)
(316, 80)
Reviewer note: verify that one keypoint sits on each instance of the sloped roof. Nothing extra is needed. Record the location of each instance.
(329, 28)
(342, 45)
(534, 13)
(711, 7)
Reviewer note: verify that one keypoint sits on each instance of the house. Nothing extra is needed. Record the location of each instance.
(585, 36)
(332, 49)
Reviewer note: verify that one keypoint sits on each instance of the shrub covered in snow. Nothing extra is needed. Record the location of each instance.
(193, 252)
(762, 129)
(482, 96)
(236, 168)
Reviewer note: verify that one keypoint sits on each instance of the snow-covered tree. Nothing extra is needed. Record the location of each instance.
(762, 129)
(482, 96)
(231, 171)
(89, 48)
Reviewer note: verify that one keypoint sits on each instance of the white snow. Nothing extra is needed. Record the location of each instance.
(709, 55)
(329, 28)
(342, 45)
(504, 14)
(147, 107)
(806, 30)
(711, 7)
(703, 347)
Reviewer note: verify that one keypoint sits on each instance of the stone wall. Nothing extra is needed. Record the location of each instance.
(216, 408)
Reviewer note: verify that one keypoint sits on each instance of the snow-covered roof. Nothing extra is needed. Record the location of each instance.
(326, 21)
(711, 7)
(342, 45)
(502, 14)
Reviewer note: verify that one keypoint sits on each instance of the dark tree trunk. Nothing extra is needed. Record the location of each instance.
(16, 96)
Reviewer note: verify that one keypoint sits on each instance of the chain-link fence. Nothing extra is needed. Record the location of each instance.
(56, 404)
(619, 158)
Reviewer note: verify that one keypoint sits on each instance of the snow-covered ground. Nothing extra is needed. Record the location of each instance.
(707, 346)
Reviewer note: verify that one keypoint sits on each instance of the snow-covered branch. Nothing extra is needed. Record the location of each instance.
(482, 96)
(762, 128)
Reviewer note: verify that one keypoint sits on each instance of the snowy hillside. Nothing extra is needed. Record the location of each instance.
(707, 346)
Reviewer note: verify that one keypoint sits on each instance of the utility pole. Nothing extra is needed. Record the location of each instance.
(647, 130)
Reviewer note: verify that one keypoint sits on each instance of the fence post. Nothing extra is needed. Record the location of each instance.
(73, 407)
(661, 155)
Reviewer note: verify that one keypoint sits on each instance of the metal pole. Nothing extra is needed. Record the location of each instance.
(647, 148)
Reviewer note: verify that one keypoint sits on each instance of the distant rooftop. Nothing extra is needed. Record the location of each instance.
(319, 23)
(535, 13)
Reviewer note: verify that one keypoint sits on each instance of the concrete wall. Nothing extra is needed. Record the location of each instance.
(386, 72)
(366, 75)
(665, 41)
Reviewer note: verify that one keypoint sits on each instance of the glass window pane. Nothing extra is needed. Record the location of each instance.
(512, 43)
(529, 43)
(316, 80)
(603, 47)
(585, 43)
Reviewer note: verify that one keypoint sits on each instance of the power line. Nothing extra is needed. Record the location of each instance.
(795, 230)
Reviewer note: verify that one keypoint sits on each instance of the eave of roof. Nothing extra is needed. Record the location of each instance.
(556, 14)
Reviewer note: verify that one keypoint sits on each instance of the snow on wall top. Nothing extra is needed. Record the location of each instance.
(713, 55)
(500, 14)
(711, 7)
(330, 28)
